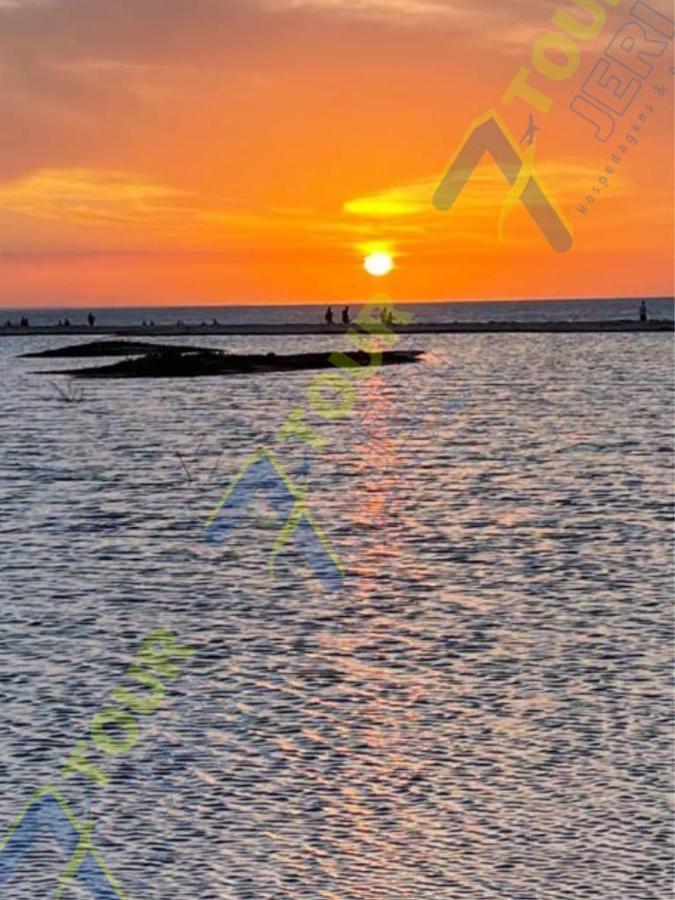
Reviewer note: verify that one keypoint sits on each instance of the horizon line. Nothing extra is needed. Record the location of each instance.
(324, 303)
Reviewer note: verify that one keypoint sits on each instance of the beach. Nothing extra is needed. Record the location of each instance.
(297, 329)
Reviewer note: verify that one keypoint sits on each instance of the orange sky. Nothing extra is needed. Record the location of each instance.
(207, 151)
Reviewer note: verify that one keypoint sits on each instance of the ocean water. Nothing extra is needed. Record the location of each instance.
(499, 311)
(481, 712)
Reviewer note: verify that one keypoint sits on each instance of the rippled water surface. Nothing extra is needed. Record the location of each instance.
(483, 711)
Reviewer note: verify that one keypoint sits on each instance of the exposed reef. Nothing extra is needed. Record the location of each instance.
(209, 363)
(110, 348)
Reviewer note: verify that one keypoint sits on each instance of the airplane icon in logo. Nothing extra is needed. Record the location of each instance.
(530, 131)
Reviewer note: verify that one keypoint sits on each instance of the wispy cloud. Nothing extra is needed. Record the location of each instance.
(135, 211)
(87, 195)
(565, 178)
(406, 215)
(391, 9)
(407, 200)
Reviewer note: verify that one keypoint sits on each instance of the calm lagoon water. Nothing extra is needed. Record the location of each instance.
(483, 712)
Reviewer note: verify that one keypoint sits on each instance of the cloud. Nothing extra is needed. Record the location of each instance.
(17, 4)
(83, 195)
(285, 103)
(133, 211)
(406, 200)
(388, 9)
(474, 219)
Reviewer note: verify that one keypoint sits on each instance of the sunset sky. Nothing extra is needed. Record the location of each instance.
(234, 151)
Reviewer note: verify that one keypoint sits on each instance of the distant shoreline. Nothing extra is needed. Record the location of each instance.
(606, 326)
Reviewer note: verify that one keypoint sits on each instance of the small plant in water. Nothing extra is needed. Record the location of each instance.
(195, 456)
(71, 393)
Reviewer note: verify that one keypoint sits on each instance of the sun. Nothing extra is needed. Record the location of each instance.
(378, 264)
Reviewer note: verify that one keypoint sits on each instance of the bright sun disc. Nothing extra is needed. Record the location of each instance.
(378, 264)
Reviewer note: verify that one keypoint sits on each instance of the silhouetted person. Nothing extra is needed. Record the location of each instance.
(345, 316)
(643, 311)
(67, 323)
(91, 318)
(329, 316)
(24, 322)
